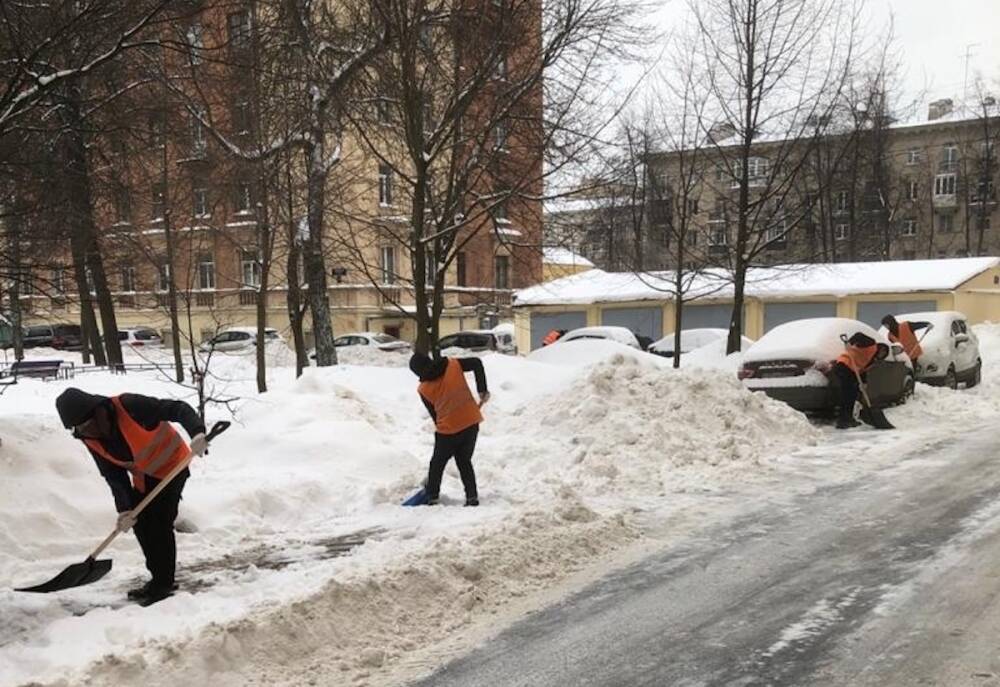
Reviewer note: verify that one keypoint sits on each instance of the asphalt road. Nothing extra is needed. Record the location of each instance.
(890, 580)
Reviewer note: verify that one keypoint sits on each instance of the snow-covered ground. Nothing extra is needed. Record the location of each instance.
(294, 550)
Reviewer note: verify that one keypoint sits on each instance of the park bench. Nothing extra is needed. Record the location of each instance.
(39, 369)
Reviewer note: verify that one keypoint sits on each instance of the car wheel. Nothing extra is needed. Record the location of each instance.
(908, 387)
(977, 375)
(951, 379)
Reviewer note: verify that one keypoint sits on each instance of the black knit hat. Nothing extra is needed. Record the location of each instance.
(76, 406)
(427, 368)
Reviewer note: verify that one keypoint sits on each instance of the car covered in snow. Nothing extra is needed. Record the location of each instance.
(238, 340)
(950, 349)
(374, 340)
(791, 363)
(618, 334)
(692, 340)
(471, 341)
(140, 337)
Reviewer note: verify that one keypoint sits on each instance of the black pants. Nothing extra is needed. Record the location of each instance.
(849, 390)
(459, 446)
(155, 530)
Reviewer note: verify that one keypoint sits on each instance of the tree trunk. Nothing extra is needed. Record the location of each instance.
(315, 264)
(14, 290)
(175, 328)
(264, 242)
(294, 302)
(88, 323)
(678, 299)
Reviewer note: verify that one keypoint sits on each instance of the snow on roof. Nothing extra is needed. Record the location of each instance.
(553, 255)
(789, 281)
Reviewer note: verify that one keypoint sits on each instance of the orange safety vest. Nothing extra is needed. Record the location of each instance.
(858, 358)
(155, 453)
(454, 406)
(551, 337)
(908, 340)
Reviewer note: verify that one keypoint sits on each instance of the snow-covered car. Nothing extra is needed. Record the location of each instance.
(950, 349)
(791, 362)
(140, 336)
(619, 334)
(505, 337)
(375, 340)
(692, 340)
(238, 339)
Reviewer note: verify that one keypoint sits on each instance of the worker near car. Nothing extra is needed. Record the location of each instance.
(850, 369)
(456, 415)
(553, 336)
(128, 435)
(904, 333)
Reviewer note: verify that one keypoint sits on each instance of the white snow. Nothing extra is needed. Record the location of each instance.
(815, 339)
(554, 255)
(578, 441)
(790, 281)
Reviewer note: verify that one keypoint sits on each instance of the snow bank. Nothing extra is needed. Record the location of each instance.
(587, 352)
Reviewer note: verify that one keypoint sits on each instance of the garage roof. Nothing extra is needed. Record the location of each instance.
(789, 281)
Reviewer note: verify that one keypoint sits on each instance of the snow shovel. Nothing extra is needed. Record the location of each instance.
(869, 414)
(91, 570)
(418, 499)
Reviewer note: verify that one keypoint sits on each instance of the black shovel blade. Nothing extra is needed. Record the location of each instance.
(876, 418)
(75, 575)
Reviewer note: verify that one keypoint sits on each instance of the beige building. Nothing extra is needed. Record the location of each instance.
(865, 291)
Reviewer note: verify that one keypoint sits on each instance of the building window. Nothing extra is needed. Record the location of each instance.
(430, 267)
(692, 206)
(499, 211)
(757, 171)
(163, 276)
(196, 43)
(59, 279)
(383, 110)
(384, 185)
(502, 272)
(388, 265)
(128, 279)
(199, 196)
(946, 223)
(949, 158)
(717, 234)
(909, 227)
(840, 204)
(983, 223)
(912, 188)
(460, 277)
(239, 29)
(123, 205)
(243, 198)
(777, 230)
(250, 265)
(156, 126)
(206, 271)
(199, 143)
(500, 134)
(984, 191)
(944, 184)
(913, 156)
(158, 202)
(840, 232)
(241, 118)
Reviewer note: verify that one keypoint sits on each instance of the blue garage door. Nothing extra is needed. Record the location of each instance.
(872, 312)
(542, 323)
(645, 321)
(779, 313)
(707, 316)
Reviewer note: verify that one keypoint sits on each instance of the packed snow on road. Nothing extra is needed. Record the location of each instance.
(296, 561)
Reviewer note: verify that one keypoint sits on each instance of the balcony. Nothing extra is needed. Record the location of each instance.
(945, 201)
(389, 295)
(205, 299)
(163, 300)
(248, 297)
(125, 300)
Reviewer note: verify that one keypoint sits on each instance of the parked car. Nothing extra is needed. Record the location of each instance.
(237, 339)
(475, 341)
(66, 337)
(692, 340)
(382, 342)
(790, 363)
(619, 334)
(140, 336)
(506, 338)
(950, 350)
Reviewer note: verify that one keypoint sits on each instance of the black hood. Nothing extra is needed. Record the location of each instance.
(76, 406)
(425, 368)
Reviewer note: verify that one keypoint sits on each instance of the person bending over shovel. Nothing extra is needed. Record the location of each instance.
(456, 417)
(850, 368)
(132, 434)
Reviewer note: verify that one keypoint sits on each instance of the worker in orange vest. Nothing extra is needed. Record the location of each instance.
(850, 367)
(904, 333)
(456, 415)
(553, 336)
(131, 435)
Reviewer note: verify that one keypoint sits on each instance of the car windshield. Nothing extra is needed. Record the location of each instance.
(38, 331)
(123, 336)
(270, 335)
(66, 330)
(146, 335)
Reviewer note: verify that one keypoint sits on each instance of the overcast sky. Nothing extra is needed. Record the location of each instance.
(932, 35)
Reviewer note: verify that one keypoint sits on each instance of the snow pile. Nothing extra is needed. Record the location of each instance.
(630, 426)
(372, 356)
(590, 352)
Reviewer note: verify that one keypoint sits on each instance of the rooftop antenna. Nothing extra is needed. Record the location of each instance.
(969, 52)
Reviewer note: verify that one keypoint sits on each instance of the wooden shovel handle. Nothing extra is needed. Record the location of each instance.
(217, 429)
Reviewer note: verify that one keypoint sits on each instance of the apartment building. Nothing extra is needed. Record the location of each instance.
(177, 200)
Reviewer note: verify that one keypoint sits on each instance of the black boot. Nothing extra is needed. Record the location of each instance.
(150, 590)
(474, 501)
